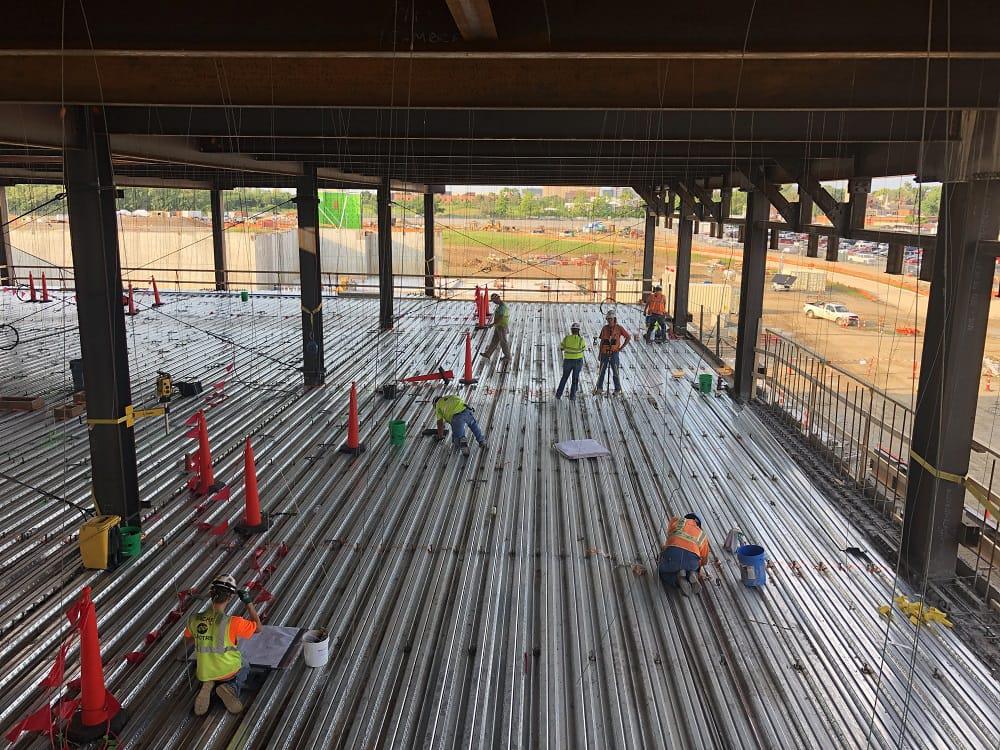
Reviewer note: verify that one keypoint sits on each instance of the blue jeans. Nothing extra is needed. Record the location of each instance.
(462, 420)
(651, 321)
(605, 360)
(570, 367)
(238, 680)
(674, 560)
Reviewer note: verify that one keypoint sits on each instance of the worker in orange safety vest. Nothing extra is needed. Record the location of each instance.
(683, 554)
(656, 315)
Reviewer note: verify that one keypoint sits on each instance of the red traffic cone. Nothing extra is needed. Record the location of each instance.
(45, 289)
(100, 715)
(253, 522)
(353, 444)
(484, 306)
(131, 300)
(468, 379)
(206, 480)
(31, 287)
(156, 293)
(476, 298)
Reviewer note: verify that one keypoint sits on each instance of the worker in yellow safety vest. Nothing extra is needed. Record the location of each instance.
(656, 315)
(219, 664)
(683, 554)
(454, 411)
(501, 322)
(573, 347)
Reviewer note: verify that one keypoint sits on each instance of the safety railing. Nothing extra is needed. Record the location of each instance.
(864, 434)
(715, 331)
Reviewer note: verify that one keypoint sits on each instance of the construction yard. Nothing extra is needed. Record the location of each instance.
(505, 600)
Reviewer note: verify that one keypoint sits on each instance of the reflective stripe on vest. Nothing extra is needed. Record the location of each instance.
(217, 656)
(657, 304)
(685, 540)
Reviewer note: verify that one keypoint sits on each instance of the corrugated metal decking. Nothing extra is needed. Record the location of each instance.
(489, 602)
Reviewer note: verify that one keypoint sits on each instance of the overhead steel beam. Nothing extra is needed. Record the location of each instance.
(93, 228)
(310, 277)
(955, 331)
(751, 294)
(689, 206)
(385, 278)
(474, 19)
(218, 211)
(711, 209)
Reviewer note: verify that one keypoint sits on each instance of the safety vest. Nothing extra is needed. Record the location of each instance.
(656, 305)
(573, 347)
(501, 316)
(217, 656)
(687, 536)
(448, 407)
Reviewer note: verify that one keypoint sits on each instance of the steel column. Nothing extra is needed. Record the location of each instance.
(751, 293)
(775, 239)
(93, 228)
(385, 255)
(894, 260)
(683, 276)
(812, 245)
(649, 248)
(429, 244)
(310, 277)
(951, 362)
(219, 240)
(6, 254)
(833, 248)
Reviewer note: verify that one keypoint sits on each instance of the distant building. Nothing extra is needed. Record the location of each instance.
(535, 191)
(568, 193)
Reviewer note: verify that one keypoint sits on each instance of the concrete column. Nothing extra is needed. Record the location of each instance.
(219, 240)
(310, 278)
(93, 229)
(429, 244)
(385, 282)
(683, 276)
(751, 294)
(957, 316)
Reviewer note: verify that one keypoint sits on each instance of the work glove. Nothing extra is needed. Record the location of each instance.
(244, 596)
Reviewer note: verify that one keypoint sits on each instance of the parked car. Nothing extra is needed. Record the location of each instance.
(834, 311)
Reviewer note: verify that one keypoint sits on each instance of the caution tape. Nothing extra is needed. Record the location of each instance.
(975, 488)
(130, 417)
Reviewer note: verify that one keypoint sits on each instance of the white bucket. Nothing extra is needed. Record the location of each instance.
(315, 648)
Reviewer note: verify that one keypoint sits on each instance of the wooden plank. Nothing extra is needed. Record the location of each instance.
(68, 411)
(21, 403)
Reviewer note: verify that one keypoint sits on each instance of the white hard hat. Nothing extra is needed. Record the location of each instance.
(610, 314)
(225, 582)
(574, 325)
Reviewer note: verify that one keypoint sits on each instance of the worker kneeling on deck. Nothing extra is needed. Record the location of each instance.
(683, 554)
(656, 316)
(219, 663)
(454, 411)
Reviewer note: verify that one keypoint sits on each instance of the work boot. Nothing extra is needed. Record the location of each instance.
(229, 698)
(685, 586)
(464, 447)
(482, 443)
(695, 586)
(203, 699)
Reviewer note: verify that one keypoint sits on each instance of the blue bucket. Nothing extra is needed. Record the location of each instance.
(753, 564)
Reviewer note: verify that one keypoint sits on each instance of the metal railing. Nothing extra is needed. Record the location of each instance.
(864, 434)
(716, 332)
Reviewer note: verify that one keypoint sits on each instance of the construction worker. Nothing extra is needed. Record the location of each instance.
(501, 319)
(573, 347)
(454, 411)
(683, 554)
(219, 663)
(613, 339)
(656, 314)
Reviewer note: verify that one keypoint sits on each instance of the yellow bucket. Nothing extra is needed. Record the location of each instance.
(94, 541)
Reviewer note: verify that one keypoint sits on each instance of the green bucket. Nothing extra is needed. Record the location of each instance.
(131, 540)
(397, 432)
(705, 382)
(244, 295)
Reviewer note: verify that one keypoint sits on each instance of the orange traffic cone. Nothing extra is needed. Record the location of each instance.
(45, 289)
(468, 379)
(131, 301)
(100, 715)
(253, 522)
(479, 302)
(353, 444)
(31, 287)
(205, 483)
(156, 293)
(484, 308)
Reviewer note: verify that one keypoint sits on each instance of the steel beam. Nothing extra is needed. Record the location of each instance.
(894, 259)
(385, 315)
(429, 244)
(474, 19)
(751, 294)
(774, 239)
(951, 362)
(6, 254)
(833, 248)
(812, 245)
(682, 279)
(219, 240)
(93, 227)
(648, 251)
(310, 277)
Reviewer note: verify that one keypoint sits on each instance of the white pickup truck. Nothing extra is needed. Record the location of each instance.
(831, 311)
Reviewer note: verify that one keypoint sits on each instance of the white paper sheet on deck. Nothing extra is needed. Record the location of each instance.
(588, 448)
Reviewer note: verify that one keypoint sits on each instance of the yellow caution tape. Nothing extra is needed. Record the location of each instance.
(917, 613)
(945, 475)
(131, 415)
(975, 488)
